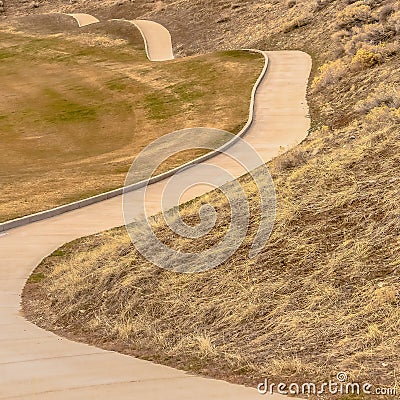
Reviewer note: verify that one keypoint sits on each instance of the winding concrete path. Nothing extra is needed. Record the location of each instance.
(157, 39)
(36, 364)
(84, 19)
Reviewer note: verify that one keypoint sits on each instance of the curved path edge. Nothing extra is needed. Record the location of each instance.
(157, 39)
(83, 19)
(28, 219)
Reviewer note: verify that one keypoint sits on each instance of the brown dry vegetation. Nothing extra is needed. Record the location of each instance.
(77, 107)
(324, 295)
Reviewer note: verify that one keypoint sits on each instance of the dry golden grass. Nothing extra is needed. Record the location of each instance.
(324, 295)
(76, 108)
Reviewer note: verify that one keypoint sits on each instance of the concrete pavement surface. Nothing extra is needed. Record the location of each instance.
(84, 19)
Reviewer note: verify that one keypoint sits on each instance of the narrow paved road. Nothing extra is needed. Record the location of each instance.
(84, 19)
(36, 364)
(157, 39)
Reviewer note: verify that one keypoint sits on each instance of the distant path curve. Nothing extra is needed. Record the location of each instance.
(157, 39)
(36, 364)
(84, 19)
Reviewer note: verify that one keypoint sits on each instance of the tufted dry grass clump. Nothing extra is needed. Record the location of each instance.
(365, 59)
(298, 22)
(353, 15)
(385, 12)
(383, 95)
(291, 3)
(372, 34)
(329, 73)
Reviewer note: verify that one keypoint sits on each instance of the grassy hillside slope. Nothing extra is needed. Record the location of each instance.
(324, 295)
(77, 106)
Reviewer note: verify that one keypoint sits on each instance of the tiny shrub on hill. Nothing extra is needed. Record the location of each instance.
(383, 95)
(365, 59)
(355, 14)
(330, 72)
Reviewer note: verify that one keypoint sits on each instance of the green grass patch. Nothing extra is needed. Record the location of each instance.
(237, 54)
(6, 53)
(73, 112)
(58, 253)
(160, 106)
(187, 92)
(60, 109)
(117, 84)
(36, 277)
